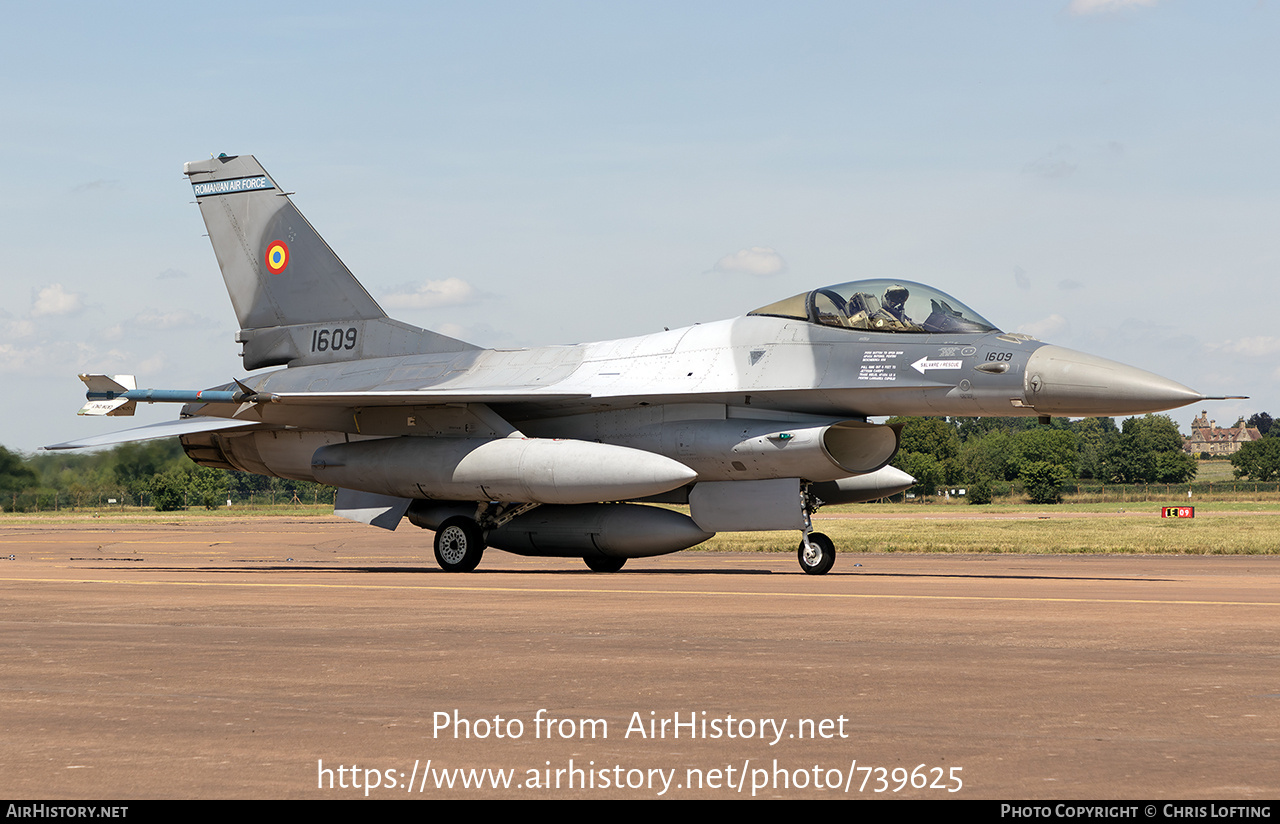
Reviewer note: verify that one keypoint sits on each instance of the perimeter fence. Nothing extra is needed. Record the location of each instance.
(1093, 492)
(61, 500)
(1211, 490)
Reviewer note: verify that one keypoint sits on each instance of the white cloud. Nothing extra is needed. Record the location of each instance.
(52, 357)
(155, 319)
(153, 365)
(431, 294)
(17, 329)
(1255, 347)
(1082, 7)
(13, 359)
(54, 300)
(1053, 326)
(151, 320)
(1020, 278)
(760, 261)
(453, 330)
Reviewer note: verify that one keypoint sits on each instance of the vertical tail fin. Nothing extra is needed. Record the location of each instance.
(295, 299)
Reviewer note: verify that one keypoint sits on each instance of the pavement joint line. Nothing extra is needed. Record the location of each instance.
(566, 590)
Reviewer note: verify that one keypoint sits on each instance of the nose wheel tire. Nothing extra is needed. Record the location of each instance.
(459, 544)
(819, 555)
(603, 563)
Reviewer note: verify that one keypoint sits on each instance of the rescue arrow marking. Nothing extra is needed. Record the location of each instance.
(925, 363)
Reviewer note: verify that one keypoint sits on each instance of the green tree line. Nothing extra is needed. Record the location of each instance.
(988, 456)
(152, 473)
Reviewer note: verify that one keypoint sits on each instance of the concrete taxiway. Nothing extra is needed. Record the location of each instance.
(275, 657)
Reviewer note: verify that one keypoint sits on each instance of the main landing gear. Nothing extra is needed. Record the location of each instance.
(460, 541)
(459, 544)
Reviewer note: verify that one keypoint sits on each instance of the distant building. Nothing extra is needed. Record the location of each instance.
(1206, 436)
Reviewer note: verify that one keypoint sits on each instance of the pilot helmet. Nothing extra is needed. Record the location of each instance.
(896, 295)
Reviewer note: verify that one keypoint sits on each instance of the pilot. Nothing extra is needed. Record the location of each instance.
(895, 303)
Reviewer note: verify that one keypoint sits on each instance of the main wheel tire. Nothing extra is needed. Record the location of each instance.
(603, 563)
(819, 556)
(459, 544)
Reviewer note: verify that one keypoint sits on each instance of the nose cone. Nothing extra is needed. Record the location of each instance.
(1064, 382)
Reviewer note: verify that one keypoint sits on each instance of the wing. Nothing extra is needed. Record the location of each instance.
(167, 429)
(424, 397)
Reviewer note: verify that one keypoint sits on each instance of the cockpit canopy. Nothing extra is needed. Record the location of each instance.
(881, 306)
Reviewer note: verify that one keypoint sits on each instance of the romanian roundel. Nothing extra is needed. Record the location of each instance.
(277, 257)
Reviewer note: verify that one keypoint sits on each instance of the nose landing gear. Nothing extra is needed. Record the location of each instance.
(817, 551)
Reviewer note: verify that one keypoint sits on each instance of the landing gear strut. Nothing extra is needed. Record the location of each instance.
(817, 551)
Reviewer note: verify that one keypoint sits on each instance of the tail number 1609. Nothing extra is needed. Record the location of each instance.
(322, 340)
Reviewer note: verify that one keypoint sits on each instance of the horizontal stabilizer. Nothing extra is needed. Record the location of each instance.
(166, 429)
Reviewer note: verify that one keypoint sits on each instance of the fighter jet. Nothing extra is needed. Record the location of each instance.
(753, 423)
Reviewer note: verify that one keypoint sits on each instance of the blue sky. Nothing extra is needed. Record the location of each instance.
(1100, 174)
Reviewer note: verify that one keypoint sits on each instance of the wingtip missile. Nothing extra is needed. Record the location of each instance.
(118, 395)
